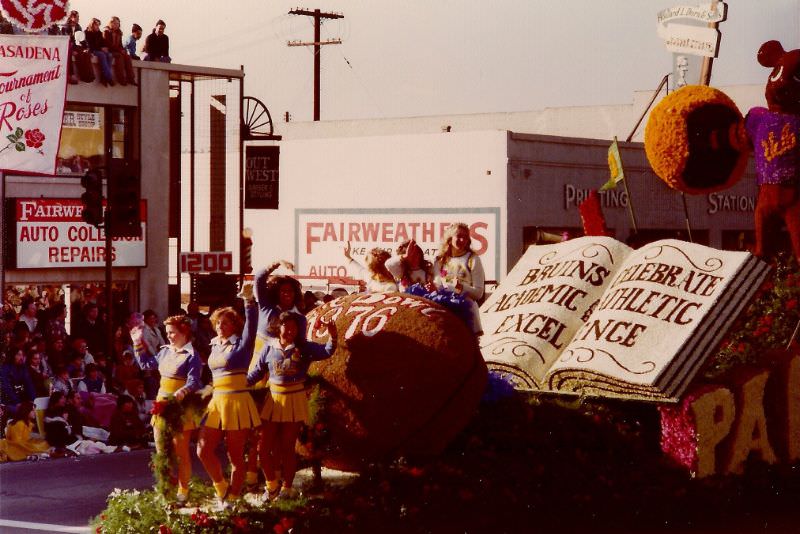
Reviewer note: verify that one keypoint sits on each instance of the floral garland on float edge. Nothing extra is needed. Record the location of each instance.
(172, 415)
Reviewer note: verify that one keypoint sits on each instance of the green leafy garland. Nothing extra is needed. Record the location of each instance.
(172, 415)
(767, 324)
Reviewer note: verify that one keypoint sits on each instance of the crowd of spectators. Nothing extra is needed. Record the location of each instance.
(97, 397)
(112, 48)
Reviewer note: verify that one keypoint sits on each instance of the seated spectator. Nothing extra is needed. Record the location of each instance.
(81, 348)
(99, 48)
(93, 382)
(19, 444)
(80, 414)
(69, 28)
(76, 367)
(122, 61)
(29, 315)
(61, 381)
(156, 46)
(57, 428)
(55, 327)
(105, 368)
(16, 385)
(135, 390)
(57, 353)
(63, 426)
(126, 427)
(130, 41)
(39, 376)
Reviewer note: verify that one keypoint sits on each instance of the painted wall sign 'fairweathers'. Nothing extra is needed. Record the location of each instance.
(49, 233)
(322, 235)
(33, 81)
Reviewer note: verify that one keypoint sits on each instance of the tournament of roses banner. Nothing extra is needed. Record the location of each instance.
(323, 233)
(33, 85)
(50, 233)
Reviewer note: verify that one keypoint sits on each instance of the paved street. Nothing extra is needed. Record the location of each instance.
(67, 491)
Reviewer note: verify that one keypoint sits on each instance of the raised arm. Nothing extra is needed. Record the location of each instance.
(318, 351)
(147, 361)
(260, 283)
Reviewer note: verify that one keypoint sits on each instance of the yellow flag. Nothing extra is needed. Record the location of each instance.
(615, 166)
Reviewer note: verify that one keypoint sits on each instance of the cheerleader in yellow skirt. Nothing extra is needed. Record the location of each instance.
(179, 366)
(286, 408)
(231, 413)
(274, 294)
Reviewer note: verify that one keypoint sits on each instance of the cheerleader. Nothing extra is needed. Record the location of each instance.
(286, 358)
(179, 365)
(275, 295)
(459, 269)
(232, 413)
(375, 275)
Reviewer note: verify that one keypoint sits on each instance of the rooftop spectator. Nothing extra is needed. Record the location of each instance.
(130, 41)
(123, 68)
(156, 46)
(99, 48)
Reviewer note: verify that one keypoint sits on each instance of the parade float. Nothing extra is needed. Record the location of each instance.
(584, 421)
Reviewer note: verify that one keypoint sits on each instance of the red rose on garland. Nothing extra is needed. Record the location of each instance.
(158, 408)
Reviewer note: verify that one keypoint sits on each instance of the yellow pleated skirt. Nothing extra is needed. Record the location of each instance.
(231, 407)
(286, 404)
(166, 388)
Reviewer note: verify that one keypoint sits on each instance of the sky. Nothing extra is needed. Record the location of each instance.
(404, 58)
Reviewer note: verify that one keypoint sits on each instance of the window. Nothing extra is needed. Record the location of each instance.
(89, 134)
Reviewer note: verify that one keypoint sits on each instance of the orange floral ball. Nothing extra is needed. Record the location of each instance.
(695, 140)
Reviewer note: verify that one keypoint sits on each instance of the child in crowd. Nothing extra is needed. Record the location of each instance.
(61, 381)
(19, 444)
(93, 382)
(459, 268)
(375, 275)
(130, 41)
(286, 358)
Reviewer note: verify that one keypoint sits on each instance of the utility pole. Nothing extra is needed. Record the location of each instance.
(317, 43)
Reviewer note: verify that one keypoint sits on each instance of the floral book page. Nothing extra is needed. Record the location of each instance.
(645, 333)
(531, 317)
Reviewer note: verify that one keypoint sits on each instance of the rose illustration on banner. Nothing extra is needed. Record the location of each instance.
(33, 138)
(34, 15)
